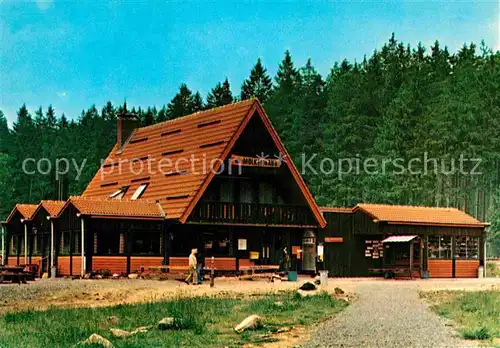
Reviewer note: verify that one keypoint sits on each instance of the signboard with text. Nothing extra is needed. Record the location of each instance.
(255, 161)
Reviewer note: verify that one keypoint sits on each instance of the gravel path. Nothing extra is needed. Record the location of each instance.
(386, 315)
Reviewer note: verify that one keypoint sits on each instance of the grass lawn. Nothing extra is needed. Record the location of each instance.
(477, 313)
(202, 321)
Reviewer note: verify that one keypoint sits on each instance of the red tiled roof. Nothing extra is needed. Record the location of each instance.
(26, 210)
(336, 210)
(405, 214)
(170, 137)
(95, 206)
(207, 135)
(52, 207)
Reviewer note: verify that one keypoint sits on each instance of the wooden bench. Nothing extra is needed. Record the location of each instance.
(393, 272)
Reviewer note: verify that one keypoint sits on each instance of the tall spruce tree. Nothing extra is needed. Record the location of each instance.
(220, 95)
(184, 103)
(4, 133)
(284, 98)
(258, 84)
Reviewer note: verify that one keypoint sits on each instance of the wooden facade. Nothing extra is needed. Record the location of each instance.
(350, 237)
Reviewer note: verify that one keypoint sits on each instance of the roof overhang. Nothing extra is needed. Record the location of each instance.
(115, 209)
(367, 208)
(399, 239)
(483, 225)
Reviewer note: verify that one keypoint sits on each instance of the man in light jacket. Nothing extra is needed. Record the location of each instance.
(192, 276)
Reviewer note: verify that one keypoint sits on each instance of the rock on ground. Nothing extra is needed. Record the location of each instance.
(251, 322)
(166, 323)
(386, 315)
(97, 339)
(308, 286)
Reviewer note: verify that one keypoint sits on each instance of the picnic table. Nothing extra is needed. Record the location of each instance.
(18, 274)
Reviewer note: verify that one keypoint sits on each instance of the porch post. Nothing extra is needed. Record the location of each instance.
(411, 259)
(3, 245)
(484, 255)
(83, 247)
(421, 257)
(52, 247)
(25, 243)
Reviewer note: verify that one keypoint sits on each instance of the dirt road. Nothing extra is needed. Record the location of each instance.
(391, 314)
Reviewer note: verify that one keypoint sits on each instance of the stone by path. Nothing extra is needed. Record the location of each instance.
(386, 315)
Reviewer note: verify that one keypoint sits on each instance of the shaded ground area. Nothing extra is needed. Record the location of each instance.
(391, 314)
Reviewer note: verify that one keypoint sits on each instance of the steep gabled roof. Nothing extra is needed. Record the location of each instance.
(119, 208)
(51, 207)
(415, 215)
(26, 211)
(208, 136)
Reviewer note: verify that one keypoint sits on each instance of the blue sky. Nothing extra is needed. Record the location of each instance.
(74, 54)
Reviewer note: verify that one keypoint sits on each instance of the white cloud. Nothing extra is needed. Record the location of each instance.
(62, 94)
(43, 4)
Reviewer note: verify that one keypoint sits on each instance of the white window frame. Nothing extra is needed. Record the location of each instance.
(120, 193)
(139, 191)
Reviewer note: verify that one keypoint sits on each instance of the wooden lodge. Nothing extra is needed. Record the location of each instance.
(221, 180)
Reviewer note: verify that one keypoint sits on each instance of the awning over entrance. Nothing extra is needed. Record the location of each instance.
(398, 239)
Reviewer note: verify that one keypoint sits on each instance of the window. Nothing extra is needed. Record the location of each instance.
(265, 251)
(146, 243)
(267, 192)
(440, 247)
(37, 242)
(110, 243)
(246, 192)
(140, 190)
(14, 244)
(65, 241)
(227, 191)
(467, 248)
(120, 193)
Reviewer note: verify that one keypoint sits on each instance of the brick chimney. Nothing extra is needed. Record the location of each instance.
(127, 123)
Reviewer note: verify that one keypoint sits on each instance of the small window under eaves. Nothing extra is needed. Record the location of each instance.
(120, 193)
(140, 190)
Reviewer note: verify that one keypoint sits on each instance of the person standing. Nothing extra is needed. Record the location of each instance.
(192, 276)
(200, 261)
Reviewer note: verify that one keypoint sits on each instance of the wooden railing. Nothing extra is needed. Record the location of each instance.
(253, 213)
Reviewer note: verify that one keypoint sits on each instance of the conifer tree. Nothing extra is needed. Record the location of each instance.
(51, 118)
(197, 103)
(284, 98)
(258, 84)
(162, 115)
(184, 103)
(220, 95)
(4, 133)
(148, 117)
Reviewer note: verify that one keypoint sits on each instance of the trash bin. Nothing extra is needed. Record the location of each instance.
(292, 276)
(323, 277)
(480, 272)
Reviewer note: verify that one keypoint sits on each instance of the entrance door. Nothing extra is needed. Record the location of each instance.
(309, 251)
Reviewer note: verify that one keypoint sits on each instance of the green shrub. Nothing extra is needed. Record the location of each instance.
(477, 334)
